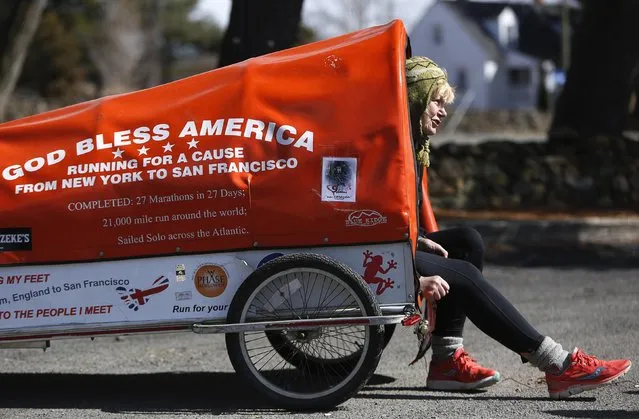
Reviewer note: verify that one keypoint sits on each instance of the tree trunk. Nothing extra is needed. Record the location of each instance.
(260, 27)
(599, 82)
(118, 45)
(22, 19)
(149, 72)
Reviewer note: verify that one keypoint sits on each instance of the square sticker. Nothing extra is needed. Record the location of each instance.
(339, 179)
(180, 273)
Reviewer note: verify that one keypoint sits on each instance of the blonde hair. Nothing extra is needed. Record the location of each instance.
(445, 92)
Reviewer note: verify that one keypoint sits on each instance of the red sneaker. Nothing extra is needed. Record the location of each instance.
(460, 372)
(584, 373)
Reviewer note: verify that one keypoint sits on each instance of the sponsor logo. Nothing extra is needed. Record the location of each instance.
(339, 180)
(374, 269)
(180, 273)
(596, 373)
(365, 218)
(183, 295)
(15, 239)
(134, 297)
(210, 280)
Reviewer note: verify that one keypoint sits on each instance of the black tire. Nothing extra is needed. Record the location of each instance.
(303, 386)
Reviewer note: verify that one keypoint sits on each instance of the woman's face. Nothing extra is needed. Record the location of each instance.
(433, 116)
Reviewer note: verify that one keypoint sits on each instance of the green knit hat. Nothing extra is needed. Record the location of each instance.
(423, 75)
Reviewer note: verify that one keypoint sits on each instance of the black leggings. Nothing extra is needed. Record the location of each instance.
(471, 294)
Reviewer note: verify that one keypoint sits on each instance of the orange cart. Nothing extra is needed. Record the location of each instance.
(273, 200)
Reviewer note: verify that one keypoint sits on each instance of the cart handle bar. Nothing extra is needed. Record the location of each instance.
(295, 324)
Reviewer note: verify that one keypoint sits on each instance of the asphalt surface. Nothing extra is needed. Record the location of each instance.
(558, 240)
(187, 375)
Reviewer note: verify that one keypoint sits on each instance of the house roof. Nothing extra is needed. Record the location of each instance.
(475, 30)
(539, 27)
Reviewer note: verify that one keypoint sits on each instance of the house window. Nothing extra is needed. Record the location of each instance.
(462, 79)
(437, 34)
(519, 77)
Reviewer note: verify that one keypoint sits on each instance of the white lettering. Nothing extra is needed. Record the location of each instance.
(121, 138)
(234, 127)
(84, 146)
(161, 132)
(189, 130)
(285, 140)
(255, 127)
(270, 131)
(100, 144)
(208, 129)
(141, 135)
(16, 171)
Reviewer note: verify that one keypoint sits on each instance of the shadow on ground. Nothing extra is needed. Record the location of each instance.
(158, 393)
(612, 414)
(556, 244)
(373, 391)
(591, 257)
(187, 393)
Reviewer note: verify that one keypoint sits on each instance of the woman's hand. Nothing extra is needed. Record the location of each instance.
(433, 286)
(429, 246)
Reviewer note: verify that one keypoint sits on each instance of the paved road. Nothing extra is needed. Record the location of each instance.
(179, 376)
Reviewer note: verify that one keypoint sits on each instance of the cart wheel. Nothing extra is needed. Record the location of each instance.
(299, 354)
(305, 286)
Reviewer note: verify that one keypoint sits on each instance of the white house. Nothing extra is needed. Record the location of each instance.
(496, 53)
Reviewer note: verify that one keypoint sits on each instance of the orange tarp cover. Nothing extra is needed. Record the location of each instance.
(304, 147)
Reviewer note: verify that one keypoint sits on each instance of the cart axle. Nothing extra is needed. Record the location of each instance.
(203, 328)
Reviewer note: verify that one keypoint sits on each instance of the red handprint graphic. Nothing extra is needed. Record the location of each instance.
(373, 265)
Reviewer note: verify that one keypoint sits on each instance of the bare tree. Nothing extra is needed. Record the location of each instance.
(150, 66)
(352, 15)
(118, 45)
(260, 27)
(22, 19)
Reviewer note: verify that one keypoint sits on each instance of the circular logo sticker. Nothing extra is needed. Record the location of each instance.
(210, 280)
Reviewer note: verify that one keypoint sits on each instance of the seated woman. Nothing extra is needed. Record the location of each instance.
(450, 264)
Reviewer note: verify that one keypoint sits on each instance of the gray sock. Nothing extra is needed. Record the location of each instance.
(445, 346)
(549, 357)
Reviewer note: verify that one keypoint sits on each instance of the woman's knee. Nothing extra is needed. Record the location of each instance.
(471, 246)
(472, 238)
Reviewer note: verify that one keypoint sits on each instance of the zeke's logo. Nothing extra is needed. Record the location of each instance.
(365, 218)
(15, 239)
(134, 298)
(373, 265)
